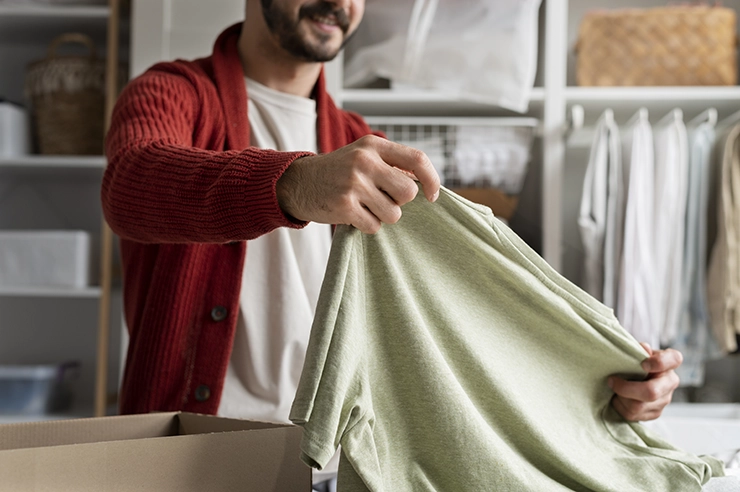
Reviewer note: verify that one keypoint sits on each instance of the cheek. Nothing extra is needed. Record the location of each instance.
(358, 10)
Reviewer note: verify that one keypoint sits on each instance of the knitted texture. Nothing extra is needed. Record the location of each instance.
(184, 191)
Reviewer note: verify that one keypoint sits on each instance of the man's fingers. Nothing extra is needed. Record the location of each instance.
(365, 221)
(645, 391)
(383, 207)
(647, 348)
(397, 185)
(663, 360)
(413, 160)
(634, 411)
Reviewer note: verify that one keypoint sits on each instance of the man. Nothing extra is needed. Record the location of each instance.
(192, 186)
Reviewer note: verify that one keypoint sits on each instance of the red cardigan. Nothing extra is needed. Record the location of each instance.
(184, 191)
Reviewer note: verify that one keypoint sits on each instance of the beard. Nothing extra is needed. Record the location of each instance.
(288, 31)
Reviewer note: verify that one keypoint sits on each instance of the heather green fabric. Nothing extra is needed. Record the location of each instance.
(447, 355)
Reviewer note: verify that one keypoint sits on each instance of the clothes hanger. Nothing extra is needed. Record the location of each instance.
(731, 120)
(708, 116)
(608, 116)
(673, 116)
(575, 121)
(641, 115)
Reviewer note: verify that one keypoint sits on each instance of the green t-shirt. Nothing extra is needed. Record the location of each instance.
(447, 355)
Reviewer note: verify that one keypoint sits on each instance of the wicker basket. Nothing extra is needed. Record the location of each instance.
(666, 46)
(68, 98)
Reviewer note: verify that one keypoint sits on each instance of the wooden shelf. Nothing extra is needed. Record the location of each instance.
(52, 292)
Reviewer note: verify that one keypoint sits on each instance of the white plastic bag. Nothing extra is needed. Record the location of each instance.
(484, 50)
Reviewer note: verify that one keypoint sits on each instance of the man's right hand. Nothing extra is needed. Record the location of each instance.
(357, 184)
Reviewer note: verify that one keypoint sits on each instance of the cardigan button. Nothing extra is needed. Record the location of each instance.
(202, 393)
(219, 313)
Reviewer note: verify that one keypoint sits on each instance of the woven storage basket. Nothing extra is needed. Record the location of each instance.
(678, 46)
(68, 98)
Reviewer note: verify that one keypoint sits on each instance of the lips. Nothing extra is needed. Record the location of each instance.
(329, 21)
(324, 13)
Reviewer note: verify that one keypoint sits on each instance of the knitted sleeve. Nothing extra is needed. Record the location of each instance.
(159, 188)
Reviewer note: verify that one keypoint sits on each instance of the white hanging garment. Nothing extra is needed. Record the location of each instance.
(614, 235)
(723, 289)
(671, 186)
(601, 213)
(637, 300)
(483, 50)
(694, 338)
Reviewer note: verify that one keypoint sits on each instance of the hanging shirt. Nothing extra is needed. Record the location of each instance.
(637, 295)
(447, 355)
(281, 281)
(723, 289)
(669, 219)
(693, 337)
(602, 213)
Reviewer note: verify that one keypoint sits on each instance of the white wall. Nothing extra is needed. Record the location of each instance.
(171, 29)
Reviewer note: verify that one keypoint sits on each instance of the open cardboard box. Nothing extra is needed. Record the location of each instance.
(502, 205)
(154, 452)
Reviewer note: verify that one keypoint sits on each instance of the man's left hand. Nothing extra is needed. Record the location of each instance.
(645, 400)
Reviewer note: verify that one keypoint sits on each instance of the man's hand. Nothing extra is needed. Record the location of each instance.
(645, 400)
(357, 184)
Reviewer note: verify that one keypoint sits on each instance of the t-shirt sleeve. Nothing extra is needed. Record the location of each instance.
(333, 394)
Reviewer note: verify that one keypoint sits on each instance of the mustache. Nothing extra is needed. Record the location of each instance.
(324, 9)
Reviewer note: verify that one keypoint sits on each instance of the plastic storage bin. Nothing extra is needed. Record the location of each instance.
(45, 259)
(36, 390)
(14, 130)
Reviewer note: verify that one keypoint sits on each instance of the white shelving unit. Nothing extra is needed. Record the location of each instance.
(59, 292)
(49, 325)
(555, 93)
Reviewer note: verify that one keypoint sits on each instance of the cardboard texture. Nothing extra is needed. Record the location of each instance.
(502, 205)
(155, 452)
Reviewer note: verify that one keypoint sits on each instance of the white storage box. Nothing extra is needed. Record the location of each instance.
(45, 259)
(14, 130)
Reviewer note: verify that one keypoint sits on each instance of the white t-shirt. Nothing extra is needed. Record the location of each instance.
(281, 281)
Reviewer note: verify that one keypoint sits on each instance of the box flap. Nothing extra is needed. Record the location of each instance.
(79, 431)
(248, 461)
(193, 423)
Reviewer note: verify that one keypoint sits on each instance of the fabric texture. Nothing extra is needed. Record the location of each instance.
(693, 337)
(669, 221)
(184, 190)
(637, 295)
(283, 275)
(446, 355)
(723, 289)
(601, 216)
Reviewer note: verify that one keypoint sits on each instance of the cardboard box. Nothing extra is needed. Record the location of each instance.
(155, 452)
(502, 205)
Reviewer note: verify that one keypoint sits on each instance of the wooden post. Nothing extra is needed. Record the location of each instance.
(106, 253)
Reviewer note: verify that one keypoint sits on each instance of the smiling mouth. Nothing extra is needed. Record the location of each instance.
(325, 17)
(326, 20)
